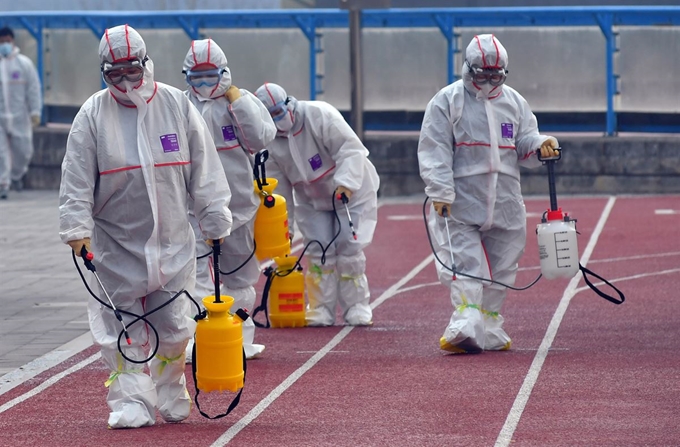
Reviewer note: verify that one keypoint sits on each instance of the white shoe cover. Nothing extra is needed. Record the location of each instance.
(496, 339)
(253, 350)
(130, 415)
(178, 409)
(319, 316)
(189, 351)
(359, 315)
(466, 330)
(132, 400)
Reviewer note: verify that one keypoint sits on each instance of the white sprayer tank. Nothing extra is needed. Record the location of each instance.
(557, 246)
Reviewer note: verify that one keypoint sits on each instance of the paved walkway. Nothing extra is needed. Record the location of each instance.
(42, 299)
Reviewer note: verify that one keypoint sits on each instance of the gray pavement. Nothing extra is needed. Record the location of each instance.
(42, 299)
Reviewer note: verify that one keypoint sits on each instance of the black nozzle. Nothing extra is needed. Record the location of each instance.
(87, 259)
(242, 314)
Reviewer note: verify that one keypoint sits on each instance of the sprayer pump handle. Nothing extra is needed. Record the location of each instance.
(558, 157)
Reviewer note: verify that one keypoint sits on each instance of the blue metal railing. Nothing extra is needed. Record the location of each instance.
(447, 20)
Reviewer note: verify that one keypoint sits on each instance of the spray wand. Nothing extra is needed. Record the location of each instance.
(87, 260)
(445, 214)
(345, 200)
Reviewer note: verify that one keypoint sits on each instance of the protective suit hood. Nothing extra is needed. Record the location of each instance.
(204, 52)
(122, 43)
(272, 94)
(485, 50)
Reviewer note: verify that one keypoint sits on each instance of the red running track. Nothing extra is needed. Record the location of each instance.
(582, 371)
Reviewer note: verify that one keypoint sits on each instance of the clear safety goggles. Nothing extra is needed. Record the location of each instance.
(132, 70)
(208, 78)
(279, 110)
(487, 75)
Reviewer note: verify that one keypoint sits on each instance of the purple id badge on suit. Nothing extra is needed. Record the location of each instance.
(170, 142)
(315, 162)
(506, 130)
(228, 133)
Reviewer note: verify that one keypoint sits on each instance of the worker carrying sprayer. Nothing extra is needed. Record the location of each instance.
(475, 135)
(318, 156)
(135, 152)
(240, 126)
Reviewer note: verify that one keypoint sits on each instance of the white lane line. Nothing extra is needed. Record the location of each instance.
(20, 375)
(400, 217)
(48, 383)
(419, 286)
(505, 436)
(291, 379)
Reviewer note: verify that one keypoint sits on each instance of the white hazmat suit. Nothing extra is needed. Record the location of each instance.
(20, 103)
(315, 153)
(474, 138)
(239, 129)
(135, 152)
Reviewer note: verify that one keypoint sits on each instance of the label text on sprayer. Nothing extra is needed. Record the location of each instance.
(562, 249)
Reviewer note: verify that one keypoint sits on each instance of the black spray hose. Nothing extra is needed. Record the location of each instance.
(270, 272)
(323, 249)
(252, 253)
(455, 271)
(87, 259)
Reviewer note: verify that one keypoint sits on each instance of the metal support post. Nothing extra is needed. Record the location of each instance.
(356, 72)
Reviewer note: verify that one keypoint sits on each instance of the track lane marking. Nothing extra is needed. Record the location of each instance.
(505, 436)
(293, 377)
(53, 358)
(49, 382)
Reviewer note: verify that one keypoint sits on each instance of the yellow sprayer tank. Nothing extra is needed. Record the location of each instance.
(287, 294)
(271, 223)
(219, 347)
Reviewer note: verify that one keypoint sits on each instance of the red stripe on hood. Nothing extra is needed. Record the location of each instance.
(269, 93)
(498, 54)
(479, 44)
(127, 40)
(193, 52)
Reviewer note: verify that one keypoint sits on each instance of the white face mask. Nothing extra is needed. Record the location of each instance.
(486, 90)
(122, 90)
(204, 92)
(6, 48)
(285, 123)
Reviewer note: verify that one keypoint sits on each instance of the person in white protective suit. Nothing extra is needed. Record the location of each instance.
(240, 126)
(20, 105)
(317, 155)
(475, 135)
(136, 150)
